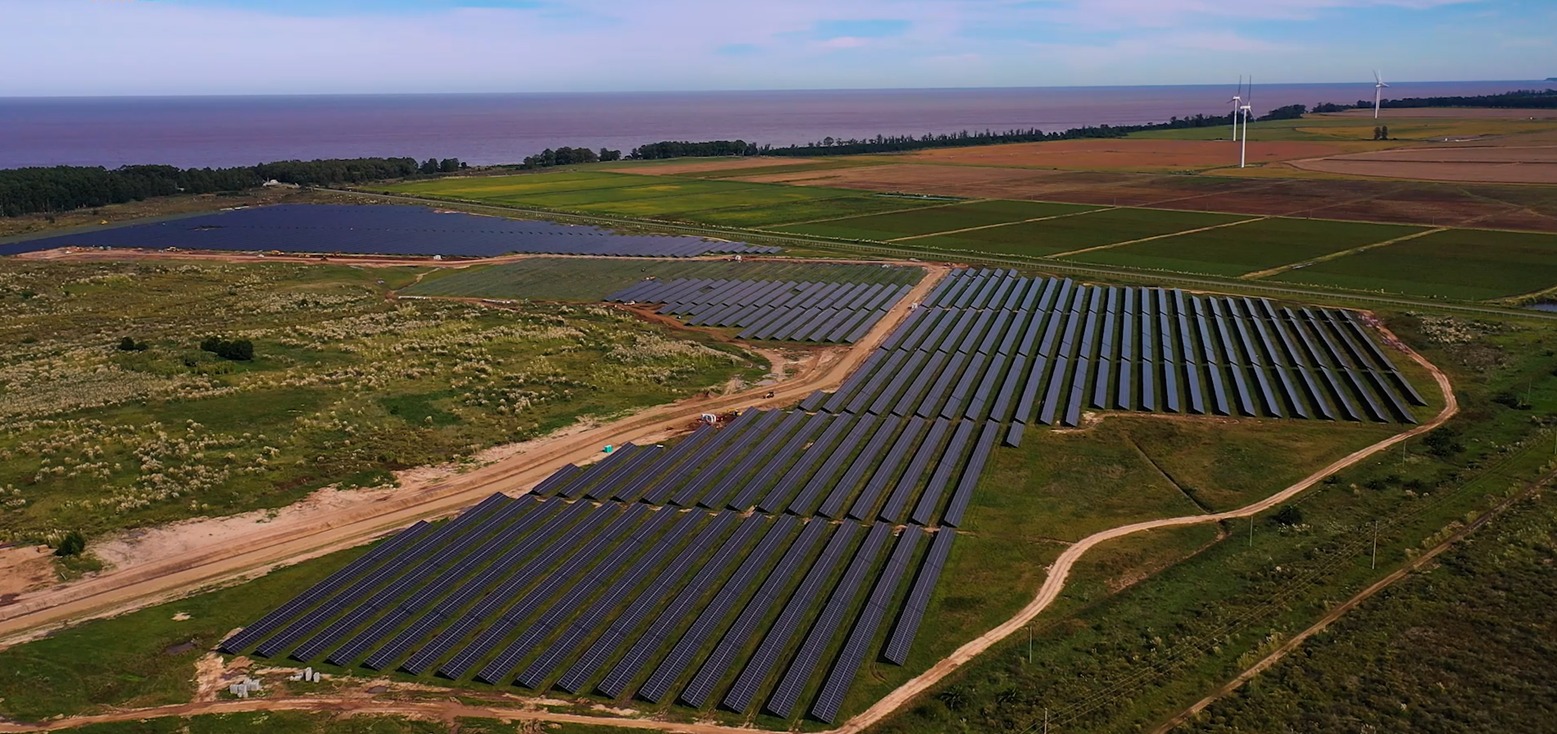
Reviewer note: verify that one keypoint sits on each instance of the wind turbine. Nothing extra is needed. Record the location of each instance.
(1235, 101)
(1248, 111)
(1378, 90)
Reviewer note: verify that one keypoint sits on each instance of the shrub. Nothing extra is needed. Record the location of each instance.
(238, 350)
(128, 344)
(73, 544)
(1288, 515)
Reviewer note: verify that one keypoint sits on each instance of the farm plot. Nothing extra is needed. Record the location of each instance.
(1459, 264)
(398, 230)
(811, 211)
(811, 311)
(1067, 234)
(885, 227)
(656, 197)
(647, 577)
(991, 346)
(1248, 247)
(580, 279)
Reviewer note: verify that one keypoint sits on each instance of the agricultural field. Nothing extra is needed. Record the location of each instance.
(1067, 234)
(1457, 264)
(652, 197)
(344, 386)
(1247, 248)
(914, 224)
(591, 279)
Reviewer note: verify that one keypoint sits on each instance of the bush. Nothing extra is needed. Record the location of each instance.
(1288, 515)
(128, 344)
(238, 350)
(73, 544)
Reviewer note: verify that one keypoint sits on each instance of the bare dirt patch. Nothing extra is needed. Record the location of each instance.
(1127, 154)
(23, 569)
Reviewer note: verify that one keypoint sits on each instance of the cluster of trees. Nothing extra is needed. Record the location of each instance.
(704, 149)
(1522, 99)
(63, 188)
(237, 350)
(965, 138)
(1381, 132)
(566, 156)
(1289, 112)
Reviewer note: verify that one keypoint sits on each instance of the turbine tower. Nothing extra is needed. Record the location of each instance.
(1378, 91)
(1236, 101)
(1247, 109)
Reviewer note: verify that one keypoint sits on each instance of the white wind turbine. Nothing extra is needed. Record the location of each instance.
(1247, 110)
(1236, 101)
(1378, 91)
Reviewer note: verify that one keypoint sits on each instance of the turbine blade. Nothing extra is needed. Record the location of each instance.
(1376, 78)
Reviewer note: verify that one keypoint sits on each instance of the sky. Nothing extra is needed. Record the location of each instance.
(174, 47)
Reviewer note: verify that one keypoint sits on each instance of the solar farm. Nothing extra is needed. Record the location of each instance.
(391, 230)
(755, 566)
(599, 582)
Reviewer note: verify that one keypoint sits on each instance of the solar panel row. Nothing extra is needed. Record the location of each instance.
(990, 345)
(772, 310)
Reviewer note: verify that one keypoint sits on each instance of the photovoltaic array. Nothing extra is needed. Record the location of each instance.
(993, 346)
(761, 564)
(757, 565)
(767, 309)
(390, 230)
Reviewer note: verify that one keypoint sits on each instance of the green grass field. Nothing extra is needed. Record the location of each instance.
(1247, 248)
(592, 279)
(884, 227)
(811, 211)
(1458, 264)
(619, 194)
(1055, 236)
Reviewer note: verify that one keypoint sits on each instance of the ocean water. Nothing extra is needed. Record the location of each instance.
(504, 128)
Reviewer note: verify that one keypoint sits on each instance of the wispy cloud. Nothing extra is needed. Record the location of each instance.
(277, 46)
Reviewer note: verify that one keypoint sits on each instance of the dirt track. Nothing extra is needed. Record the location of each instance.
(116, 592)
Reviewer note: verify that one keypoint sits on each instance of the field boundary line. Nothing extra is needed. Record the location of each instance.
(1279, 269)
(1154, 237)
(1411, 566)
(959, 202)
(1005, 224)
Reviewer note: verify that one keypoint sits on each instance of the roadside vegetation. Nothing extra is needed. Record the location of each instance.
(248, 386)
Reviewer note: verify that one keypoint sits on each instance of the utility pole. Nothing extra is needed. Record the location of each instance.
(1046, 720)
(1251, 531)
(1029, 643)
(1375, 562)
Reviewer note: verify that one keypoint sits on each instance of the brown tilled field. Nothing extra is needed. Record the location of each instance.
(1127, 154)
(1522, 164)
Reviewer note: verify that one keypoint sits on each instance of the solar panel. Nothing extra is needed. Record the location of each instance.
(918, 599)
(803, 666)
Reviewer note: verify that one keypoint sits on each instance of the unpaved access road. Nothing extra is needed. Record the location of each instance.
(132, 588)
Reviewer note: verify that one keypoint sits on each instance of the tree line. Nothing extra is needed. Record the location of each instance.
(63, 188)
(1522, 99)
(564, 156)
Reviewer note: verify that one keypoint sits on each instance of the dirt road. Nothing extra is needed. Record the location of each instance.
(119, 591)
